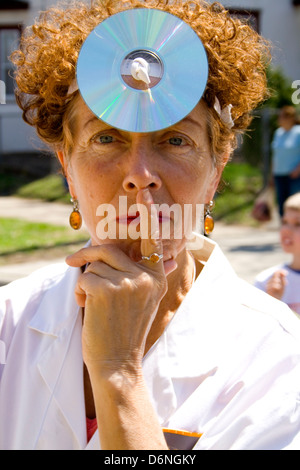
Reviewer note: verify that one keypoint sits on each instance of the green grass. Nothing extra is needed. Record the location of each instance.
(22, 236)
(49, 188)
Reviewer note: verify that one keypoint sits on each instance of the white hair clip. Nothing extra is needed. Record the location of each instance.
(73, 87)
(225, 114)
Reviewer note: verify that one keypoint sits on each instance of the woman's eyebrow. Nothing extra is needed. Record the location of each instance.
(190, 120)
(92, 120)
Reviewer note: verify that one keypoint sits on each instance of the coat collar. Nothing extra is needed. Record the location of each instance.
(59, 291)
(58, 297)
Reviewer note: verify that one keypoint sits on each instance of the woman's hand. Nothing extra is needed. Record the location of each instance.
(120, 297)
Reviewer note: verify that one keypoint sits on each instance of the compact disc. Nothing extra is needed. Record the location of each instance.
(142, 70)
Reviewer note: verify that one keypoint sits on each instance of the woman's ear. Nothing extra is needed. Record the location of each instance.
(216, 177)
(65, 169)
(61, 158)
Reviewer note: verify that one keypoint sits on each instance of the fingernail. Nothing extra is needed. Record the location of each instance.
(69, 258)
(147, 196)
(170, 266)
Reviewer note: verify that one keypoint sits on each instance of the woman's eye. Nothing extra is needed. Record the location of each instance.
(176, 141)
(105, 139)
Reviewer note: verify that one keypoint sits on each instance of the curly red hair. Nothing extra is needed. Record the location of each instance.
(46, 63)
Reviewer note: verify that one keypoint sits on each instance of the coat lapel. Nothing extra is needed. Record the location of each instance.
(60, 365)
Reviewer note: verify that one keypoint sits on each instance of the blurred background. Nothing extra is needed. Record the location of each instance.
(29, 174)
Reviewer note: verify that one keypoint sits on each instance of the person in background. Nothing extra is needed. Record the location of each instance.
(283, 281)
(286, 156)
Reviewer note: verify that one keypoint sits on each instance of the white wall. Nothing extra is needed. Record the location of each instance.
(15, 135)
(280, 23)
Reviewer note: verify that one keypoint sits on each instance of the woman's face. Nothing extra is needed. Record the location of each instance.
(108, 167)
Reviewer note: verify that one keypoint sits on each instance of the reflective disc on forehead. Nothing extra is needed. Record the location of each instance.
(142, 70)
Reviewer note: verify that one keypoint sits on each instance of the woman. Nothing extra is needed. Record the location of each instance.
(160, 347)
(286, 156)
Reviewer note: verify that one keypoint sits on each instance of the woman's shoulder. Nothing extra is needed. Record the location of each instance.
(38, 280)
(263, 313)
(21, 297)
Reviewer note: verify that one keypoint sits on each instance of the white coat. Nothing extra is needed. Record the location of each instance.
(227, 365)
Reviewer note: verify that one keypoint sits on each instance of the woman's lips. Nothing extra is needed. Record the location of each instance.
(128, 219)
(135, 219)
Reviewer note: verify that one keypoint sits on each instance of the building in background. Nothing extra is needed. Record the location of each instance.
(16, 137)
(277, 20)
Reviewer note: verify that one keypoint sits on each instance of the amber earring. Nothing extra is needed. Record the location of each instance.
(75, 217)
(208, 220)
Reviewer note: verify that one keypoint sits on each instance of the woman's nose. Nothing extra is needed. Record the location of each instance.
(140, 169)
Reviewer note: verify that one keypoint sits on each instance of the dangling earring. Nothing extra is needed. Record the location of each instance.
(208, 220)
(75, 217)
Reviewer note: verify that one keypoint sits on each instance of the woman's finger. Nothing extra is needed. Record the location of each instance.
(109, 254)
(151, 243)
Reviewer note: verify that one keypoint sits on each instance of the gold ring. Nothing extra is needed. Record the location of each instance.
(154, 258)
